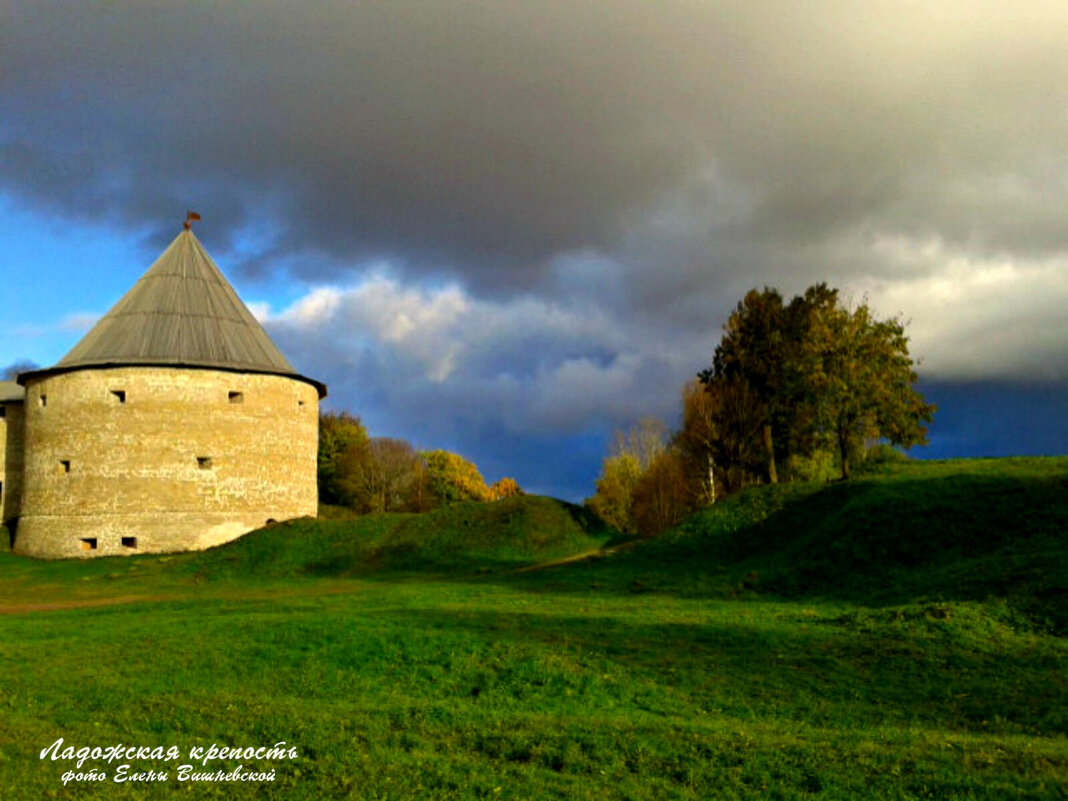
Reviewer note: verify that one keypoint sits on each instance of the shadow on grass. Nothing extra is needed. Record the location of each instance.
(961, 537)
(962, 671)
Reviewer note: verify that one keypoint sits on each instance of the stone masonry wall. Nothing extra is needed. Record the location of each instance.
(144, 459)
(11, 437)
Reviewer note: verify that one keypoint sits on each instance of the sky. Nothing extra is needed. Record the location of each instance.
(509, 229)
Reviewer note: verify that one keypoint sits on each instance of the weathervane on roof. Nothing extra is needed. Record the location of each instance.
(189, 217)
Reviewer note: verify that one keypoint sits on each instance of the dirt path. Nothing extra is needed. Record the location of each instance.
(578, 557)
(222, 595)
(89, 603)
(84, 603)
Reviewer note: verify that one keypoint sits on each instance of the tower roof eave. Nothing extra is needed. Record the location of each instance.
(45, 372)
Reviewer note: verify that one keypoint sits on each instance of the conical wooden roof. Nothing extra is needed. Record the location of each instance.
(10, 392)
(181, 312)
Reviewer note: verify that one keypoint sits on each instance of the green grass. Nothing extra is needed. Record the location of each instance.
(465, 538)
(918, 531)
(405, 658)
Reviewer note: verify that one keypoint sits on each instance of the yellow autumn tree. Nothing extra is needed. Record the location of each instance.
(452, 478)
(614, 498)
(507, 487)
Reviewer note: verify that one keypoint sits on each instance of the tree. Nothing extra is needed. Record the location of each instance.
(661, 497)
(859, 378)
(343, 448)
(630, 455)
(507, 487)
(452, 478)
(719, 441)
(817, 373)
(645, 441)
(699, 438)
(420, 495)
(614, 499)
(368, 474)
(386, 479)
(740, 446)
(755, 349)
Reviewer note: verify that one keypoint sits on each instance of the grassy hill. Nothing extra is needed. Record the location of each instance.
(917, 531)
(465, 537)
(896, 637)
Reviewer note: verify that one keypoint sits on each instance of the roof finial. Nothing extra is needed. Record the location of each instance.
(189, 217)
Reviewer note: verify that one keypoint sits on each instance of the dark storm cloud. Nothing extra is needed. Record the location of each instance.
(441, 132)
(477, 135)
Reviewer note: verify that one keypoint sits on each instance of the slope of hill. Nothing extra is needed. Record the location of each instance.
(887, 638)
(960, 530)
(468, 537)
(917, 532)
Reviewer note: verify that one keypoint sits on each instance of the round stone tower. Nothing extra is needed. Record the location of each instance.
(175, 424)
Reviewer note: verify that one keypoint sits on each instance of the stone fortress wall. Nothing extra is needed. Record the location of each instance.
(125, 460)
(11, 455)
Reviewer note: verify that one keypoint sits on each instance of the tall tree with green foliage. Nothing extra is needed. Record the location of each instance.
(343, 448)
(859, 381)
(755, 348)
(719, 441)
(817, 373)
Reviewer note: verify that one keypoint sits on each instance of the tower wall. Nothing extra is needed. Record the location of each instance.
(11, 454)
(130, 460)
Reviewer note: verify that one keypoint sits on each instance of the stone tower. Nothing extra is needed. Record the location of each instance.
(175, 424)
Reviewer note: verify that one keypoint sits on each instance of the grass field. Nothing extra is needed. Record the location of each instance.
(901, 636)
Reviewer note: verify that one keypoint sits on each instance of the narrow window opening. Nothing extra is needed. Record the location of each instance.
(300, 403)
(88, 543)
(119, 395)
(204, 462)
(3, 411)
(64, 465)
(43, 400)
(237, 397)
(129, 542)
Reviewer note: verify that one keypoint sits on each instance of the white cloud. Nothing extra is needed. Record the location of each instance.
(523, 364)
(261, 310)
(74, 323)
(973, 317)
(310, 310)
(79, 322)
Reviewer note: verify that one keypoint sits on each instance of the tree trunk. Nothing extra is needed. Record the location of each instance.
(843, 450)
(773, 476)
(711, 480)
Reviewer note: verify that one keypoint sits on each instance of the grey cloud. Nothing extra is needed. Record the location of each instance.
(517, 371)
(477, 136)
(444, 133)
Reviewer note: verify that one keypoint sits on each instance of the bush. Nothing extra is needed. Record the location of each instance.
(820, 466)
(880, 455)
